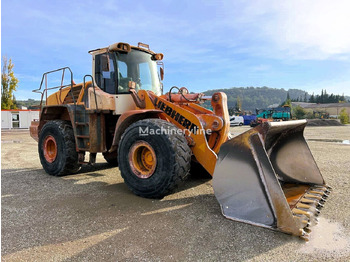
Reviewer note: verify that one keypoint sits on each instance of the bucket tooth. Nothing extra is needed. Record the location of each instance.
(319, 205)
(307, 230)
(323, 194)
(313, 196)
(309, 201)
(301, 205)
(323, 200)
(256, 180)
(304, 222)
(301, 212)
(305, 236)
(323, 186)
(319, 192)
(308, 208)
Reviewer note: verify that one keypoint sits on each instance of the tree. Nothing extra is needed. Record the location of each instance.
(299, 112)
(309, 115)
(305, 97)
(312, 98)
(231, 111)
(344, 117)
(15, 103)
(342, 98)
(8, 84)
(238, 104)
(288, 101)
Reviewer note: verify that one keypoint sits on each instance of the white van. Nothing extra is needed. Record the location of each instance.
(236, 120)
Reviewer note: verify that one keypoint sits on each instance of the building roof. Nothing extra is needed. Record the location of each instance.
(17, 110)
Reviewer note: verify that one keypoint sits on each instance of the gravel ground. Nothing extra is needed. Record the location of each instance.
(92, 216)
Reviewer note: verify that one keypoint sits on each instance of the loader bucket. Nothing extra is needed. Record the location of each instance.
(268, 177)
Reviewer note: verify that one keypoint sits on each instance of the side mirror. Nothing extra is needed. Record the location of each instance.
(161, 70)
(161, 73)
(105, 62)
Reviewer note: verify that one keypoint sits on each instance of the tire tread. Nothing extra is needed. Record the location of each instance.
(181, 152)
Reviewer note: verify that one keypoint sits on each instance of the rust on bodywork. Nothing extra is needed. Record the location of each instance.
(97, 133)
(294, 193)
(33, 130)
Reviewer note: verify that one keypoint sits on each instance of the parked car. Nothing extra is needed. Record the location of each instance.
(236, 120)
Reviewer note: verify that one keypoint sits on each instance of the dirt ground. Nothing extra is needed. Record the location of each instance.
(92, 216)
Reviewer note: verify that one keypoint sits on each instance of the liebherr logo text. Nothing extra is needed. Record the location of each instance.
(176, 116)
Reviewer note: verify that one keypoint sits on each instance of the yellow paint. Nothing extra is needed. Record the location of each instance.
(201, 150)
(58, 97)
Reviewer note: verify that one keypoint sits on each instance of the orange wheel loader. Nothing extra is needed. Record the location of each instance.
(266, 176)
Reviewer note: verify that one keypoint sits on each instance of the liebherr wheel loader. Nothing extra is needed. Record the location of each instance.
(266, 176)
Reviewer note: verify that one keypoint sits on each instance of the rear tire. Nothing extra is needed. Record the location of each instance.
(168, 156)
(57, 150)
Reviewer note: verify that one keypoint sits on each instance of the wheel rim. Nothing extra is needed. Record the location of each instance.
(50, 149)
(142, 159)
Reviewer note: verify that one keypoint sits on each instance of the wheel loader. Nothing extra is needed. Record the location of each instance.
(266, 176)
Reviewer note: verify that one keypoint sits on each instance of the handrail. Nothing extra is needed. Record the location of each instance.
(93, 86)
(44, 91)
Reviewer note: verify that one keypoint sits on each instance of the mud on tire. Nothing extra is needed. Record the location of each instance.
(65, 159)
(173, 158)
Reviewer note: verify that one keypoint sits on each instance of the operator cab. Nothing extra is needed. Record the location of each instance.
(119, 64)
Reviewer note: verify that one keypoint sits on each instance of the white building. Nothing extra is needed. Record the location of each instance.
(18, 118)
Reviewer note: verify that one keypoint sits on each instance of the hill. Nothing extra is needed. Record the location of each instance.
(30, 103)
(258, 97)
(251, 97)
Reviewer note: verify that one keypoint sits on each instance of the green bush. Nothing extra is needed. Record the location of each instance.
(309, 115)
(298, 112)
(344, 117)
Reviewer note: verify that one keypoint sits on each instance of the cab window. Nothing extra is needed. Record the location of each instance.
(123, 79)
(105, 73)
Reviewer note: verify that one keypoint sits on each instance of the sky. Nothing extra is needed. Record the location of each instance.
(302, 44)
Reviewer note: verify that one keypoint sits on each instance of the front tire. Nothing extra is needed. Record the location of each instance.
(57, 150)
(153, 165)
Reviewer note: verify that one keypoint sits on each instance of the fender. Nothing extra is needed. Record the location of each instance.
(62, 112)
(130, 117)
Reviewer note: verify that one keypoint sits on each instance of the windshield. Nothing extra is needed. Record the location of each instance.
(137, 66)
